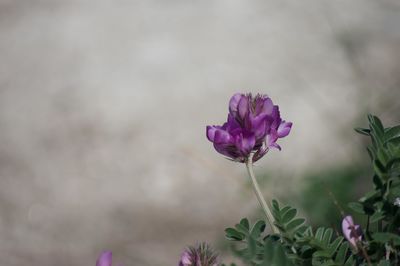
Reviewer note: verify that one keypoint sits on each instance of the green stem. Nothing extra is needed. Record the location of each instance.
(261, 200)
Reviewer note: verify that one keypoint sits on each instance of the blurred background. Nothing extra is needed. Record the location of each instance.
(103, 108)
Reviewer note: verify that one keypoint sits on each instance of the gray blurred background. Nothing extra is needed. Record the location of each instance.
(103, 108)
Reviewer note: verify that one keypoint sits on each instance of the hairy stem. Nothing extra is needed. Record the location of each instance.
(261, 200)
(364, 253)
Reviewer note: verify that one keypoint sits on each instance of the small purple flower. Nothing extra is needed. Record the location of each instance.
(185, 259)
(200, 255)
(253, 126)
(105, 259)
(352, 232)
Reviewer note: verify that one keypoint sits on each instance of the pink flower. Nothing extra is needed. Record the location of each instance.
(199, 255)
(105, 259)
(352, 232)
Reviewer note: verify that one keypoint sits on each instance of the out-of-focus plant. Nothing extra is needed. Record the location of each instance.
(105, 259)
(327, 189)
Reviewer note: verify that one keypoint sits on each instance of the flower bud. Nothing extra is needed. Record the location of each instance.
(352, 232)
(200, 255)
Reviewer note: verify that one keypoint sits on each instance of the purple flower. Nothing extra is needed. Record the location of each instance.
(105, 259)
(200, 255)
(185, 259)
(253, 126)
(352, 232)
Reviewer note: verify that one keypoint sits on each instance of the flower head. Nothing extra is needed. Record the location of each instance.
(352, 232)
(105, 259)
(253, 126)
(200, 255)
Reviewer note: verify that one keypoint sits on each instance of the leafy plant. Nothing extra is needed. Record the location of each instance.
(379, 204)
(299, 244)
(254, 247)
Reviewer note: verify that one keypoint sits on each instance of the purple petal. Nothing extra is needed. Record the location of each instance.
(346, 225)
(234, 102)
(275, 146)
(185, 259)
(260, 130)
(225, 149)
(223, 143)
(231, 123)
(243, 107)
(350, 231)
(222, 137)
(245, 143)
(267, 106)
(276, 117)
(210, 132)
(258, 125)
(105, 259)
(272, 137)
(356, 233)
(284, 129)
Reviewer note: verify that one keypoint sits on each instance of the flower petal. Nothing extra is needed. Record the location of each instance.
(210, 132)
(234, 102)
(245, 143)
(272, 137)
(224, 143)
(267, 106)
(231, 124)
(185, 259)
(351, 232)
(222, 137)
(105, 259)
(257, 125)
(284, 129)
(243, 107)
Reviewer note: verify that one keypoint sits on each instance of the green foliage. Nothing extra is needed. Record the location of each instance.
(384, 238)
(384, 151)
(274, 254)
(379, 204)
(299, 244)
(296, 244)
(306, 246)
(253, 247)
(287, 223)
